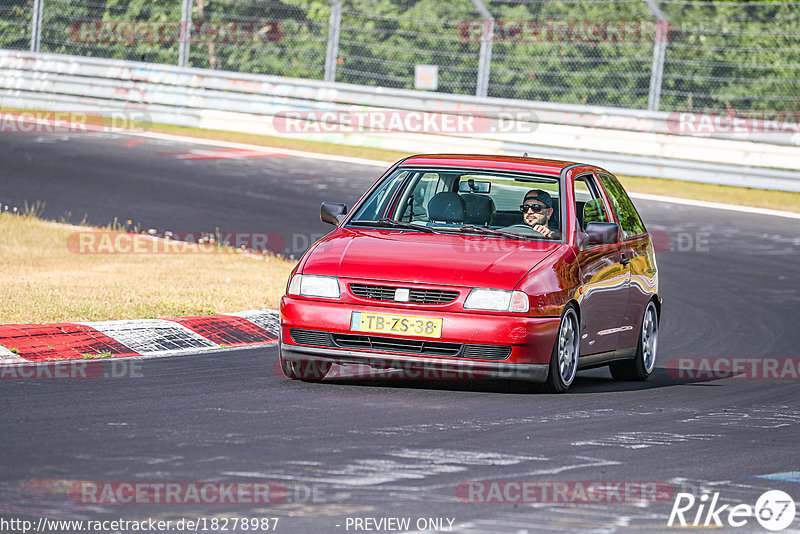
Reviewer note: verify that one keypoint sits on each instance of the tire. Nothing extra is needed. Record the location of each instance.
(566, 350)
(305, 370)
(642, 365)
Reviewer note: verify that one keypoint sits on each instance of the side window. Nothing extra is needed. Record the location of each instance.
(629, 219)
(414, 204)
(369, 212)
(589, 206)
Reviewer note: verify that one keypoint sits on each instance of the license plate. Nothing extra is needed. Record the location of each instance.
(401, 325)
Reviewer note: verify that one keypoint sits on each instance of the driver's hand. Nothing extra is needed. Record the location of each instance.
(545, 231)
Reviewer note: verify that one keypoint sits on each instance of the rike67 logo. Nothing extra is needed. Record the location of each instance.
(774, 510)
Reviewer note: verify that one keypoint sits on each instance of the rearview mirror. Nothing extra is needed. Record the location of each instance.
(474, 186)
(330, 212)
(601, 233)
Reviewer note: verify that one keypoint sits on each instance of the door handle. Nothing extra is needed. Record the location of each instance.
(624, 260)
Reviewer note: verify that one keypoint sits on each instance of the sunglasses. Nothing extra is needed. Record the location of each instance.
(535, 207)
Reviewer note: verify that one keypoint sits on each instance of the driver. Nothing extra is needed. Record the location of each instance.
(537, 208)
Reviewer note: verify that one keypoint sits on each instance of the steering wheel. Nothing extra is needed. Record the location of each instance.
(522, 229)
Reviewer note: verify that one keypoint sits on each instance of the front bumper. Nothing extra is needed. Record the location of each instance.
(420, 367)
(530, 339)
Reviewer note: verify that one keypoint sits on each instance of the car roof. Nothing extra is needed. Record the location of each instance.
(508, 163)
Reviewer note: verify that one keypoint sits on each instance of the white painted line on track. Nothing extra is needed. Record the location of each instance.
(154, 336)
(715, 205)
(259, 148)
(384, 164)
(8, 357)
(267, 319)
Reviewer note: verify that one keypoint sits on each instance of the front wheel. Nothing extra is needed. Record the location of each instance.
(641, 366)
(566, 349)
(307, 370)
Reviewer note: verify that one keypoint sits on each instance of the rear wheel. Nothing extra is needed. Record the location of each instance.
(641, 366)
(566, 349)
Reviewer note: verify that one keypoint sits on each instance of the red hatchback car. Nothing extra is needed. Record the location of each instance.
(478, 266)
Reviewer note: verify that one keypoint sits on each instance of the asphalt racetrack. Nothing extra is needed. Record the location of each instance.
(350, 449)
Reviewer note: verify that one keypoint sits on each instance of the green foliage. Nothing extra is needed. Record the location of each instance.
(94, 356)
(15, 24)
(77, 27)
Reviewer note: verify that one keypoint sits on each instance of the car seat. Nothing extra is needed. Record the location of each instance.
(447, 207)
(480, 209)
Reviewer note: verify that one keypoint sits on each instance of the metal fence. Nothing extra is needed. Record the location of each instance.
(639, 54)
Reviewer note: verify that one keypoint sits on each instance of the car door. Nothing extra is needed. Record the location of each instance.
(638, 251)
(604, 278)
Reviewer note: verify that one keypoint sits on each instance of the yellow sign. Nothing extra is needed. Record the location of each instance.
(402, 325)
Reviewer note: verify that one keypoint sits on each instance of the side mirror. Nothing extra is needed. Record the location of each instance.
(330, 212)
(601, 233)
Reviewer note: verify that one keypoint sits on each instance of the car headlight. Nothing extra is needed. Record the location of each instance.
(497, 300)
(308, 285)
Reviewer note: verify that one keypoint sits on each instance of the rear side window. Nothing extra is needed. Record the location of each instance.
(588, 204)
(629, 219)
(415, 200)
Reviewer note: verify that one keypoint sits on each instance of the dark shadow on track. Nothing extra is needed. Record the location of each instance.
(581, 386)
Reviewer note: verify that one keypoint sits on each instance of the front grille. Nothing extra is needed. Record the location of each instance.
(486, 352)
(396, 344)
(373, 292)
(423, 347)
(415, 295)
(431, 296)
(310, 337)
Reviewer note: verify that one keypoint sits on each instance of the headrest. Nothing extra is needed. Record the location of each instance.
(446, 207)
(480, 209)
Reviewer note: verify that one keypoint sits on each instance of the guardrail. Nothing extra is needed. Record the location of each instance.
(631, 142)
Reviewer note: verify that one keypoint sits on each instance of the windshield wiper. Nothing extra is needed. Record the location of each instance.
(491, 231)
(391, 223)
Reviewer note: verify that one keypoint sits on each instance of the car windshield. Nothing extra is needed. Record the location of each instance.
(469, 201)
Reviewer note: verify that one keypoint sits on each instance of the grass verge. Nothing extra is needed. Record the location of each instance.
(742, 196)
(42, 281)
